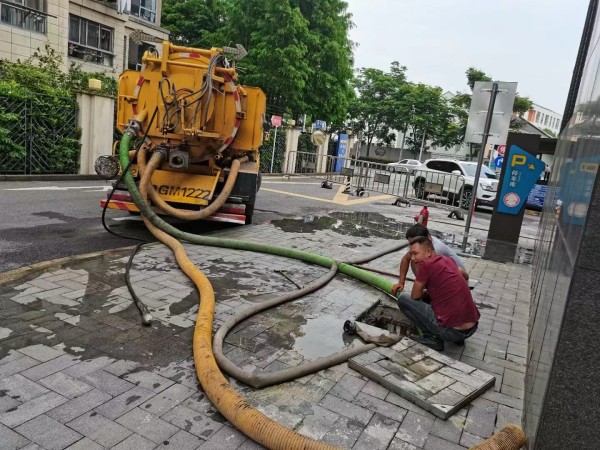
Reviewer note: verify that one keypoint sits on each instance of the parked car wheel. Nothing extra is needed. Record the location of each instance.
(465, 197)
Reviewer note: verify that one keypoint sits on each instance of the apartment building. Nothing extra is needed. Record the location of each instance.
(92, 33)
(543, 118)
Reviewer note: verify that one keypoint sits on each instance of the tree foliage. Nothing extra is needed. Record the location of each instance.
(299, 52)
(49, 94)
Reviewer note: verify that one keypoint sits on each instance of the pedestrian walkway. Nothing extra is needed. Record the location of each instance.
(78, 371)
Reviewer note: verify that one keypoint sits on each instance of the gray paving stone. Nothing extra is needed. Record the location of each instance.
(344, 432)
(414, 429)
(85, 444)
(147, 425)
(227, 438)
(182, 440)
(31, 409)
(20, 388)
(348, 387)
(121, 367)
(436, 443)
(375, 390)
(135, 442)
(481, 419)
(12, 356)
(450, 429)
(125, 402)
(107, 382)
(16, 366)
(514, 379)
(88, 366)
(507, 415)
(167, 399)
(346, 409)
(79, 405)
(41, 352)
(317, 424)
(48, 433)
(192, 421)
(48, 368)
(148, 380)
(378, 433)
(397, 444)
(65, 385)
(10, 440)
(99, 429)
(469, 440)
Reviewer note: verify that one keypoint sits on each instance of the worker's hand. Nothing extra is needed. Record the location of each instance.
(397, 287)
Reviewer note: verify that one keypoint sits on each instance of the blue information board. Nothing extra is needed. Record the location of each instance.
(535, 199)
(342, 151)
(522, 171)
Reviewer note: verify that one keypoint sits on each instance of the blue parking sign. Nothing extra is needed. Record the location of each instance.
(522, 171)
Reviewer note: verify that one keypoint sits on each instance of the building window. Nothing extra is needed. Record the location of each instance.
(537, 117)
(27, 14)
(90, 41)
(546, 120)
(145, 9)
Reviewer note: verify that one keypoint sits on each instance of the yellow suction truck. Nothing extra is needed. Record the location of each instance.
(198, 132)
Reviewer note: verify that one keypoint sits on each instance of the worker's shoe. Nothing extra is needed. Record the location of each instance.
(429, 341)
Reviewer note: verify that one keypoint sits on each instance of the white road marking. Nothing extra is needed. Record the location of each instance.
(57, 188)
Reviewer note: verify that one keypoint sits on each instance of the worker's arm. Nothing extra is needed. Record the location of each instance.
(417, 290)
(464, 273)
(404, 263)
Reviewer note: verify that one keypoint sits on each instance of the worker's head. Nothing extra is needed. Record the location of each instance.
(421, 248)
(416, 231)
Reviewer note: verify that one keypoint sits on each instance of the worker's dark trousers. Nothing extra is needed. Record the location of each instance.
(421, 314)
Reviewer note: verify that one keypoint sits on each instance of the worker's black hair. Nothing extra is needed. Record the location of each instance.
(423, 241)
(417, 230)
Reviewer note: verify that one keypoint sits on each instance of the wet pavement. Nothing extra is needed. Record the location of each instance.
(77, 370)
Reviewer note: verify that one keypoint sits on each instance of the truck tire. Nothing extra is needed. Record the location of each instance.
(465, 197)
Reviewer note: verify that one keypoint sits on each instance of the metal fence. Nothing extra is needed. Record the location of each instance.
(39, 136)
(360, 178)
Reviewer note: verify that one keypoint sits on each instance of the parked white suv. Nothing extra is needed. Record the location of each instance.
(454, 179)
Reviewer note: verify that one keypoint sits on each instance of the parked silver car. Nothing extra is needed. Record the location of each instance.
(411, 165)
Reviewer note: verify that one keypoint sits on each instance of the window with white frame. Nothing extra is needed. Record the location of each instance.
(90, 41)
(27, 14)
(145, 9)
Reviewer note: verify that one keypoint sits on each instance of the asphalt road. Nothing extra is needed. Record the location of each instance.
(43, 220)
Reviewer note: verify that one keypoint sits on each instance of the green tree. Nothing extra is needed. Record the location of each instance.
(196, 23)
(378, 100)
(432, 119)
(329, 56)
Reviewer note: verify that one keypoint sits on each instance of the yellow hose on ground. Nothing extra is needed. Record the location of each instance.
(511, 437)
(232, 405)
(155, 162)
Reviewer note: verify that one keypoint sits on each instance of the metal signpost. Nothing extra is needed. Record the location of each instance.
(494, 132)
(276, 122)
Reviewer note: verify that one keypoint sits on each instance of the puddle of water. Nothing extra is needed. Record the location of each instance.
(359, 224)
(478, 247)
(320, 336)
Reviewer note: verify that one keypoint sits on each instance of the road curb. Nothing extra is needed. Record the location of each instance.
(13, 275)
(59, 177)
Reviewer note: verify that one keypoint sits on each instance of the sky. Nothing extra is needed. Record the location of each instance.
(532, 42)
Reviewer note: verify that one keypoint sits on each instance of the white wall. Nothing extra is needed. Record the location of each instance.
(96, 120)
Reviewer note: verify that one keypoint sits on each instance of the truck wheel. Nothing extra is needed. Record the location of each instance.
(258, 181)
(465, 197)
(420, 189)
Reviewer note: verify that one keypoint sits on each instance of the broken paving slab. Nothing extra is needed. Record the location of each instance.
(431, 380)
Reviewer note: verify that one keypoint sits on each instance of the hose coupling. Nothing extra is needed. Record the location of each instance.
(134, 127)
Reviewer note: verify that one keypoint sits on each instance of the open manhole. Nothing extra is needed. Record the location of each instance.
(388, 318)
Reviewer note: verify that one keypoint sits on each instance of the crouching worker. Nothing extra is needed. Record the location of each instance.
(452, 315)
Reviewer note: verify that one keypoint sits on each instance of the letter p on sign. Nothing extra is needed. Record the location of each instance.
(518, 160)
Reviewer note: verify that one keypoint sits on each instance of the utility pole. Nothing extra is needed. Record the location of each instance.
(422, 145)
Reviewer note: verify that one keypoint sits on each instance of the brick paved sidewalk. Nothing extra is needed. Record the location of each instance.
(78, 371)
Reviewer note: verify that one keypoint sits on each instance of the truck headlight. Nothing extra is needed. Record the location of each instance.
(487, 187)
